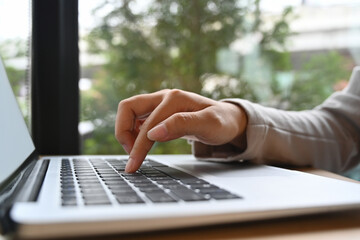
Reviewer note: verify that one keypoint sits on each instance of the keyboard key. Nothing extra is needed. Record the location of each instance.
(176, 186)
(112, 179)
(68, 197)
(174, 173)
(192, 181)
(151, 189)
(64, 178)
(68, 191)
(116, 183)
(149, 171)
(104, 171)
(144, 184)
(188, 195)
(88, 176)
(123, 191)
(203, 186)
(67, 186)
(91, 191)
(154, 175)
(223, 196)
(69, 202)
(211, 190)
(167, 182)
(128, 199)
(159, 197)
(109, 175)
(117, 186)
(66, 181)
(155, 164)
(88, 180)
(91, 186)
(156, 179)
(94, 201)
(144, 180)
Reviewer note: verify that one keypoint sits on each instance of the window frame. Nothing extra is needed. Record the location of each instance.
(55, 77)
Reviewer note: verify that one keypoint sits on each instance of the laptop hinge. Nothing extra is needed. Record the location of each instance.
(10, 189)
(31, 189)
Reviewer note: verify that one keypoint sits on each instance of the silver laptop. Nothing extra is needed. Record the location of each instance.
(62, 196)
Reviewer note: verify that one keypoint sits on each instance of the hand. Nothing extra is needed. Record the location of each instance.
(170, 114)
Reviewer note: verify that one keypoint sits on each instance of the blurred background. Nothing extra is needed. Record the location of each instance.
(285, 54)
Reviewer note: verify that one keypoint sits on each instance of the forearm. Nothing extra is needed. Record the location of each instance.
(297, 138)
(326, 137)
(315, 138)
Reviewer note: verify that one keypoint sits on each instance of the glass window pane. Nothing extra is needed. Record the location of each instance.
(14, 48)
(285, 54)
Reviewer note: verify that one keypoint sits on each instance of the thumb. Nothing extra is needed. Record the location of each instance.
(158, 133)
(176, 126)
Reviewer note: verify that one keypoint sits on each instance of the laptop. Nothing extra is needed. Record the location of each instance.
(71, 196)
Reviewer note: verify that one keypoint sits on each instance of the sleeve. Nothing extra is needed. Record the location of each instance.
(326, 137)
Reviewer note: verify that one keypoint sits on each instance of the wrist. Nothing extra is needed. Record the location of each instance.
(241, 119)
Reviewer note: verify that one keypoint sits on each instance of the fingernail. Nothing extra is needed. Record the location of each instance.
(126, 148)
(129, 166)
(159, 132)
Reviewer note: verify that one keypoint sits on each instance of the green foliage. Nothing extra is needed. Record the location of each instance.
(12, 49)
(175, 44)
(315, 81)
(172, 44)
(16, 78)
(172, 52)
(275, 38)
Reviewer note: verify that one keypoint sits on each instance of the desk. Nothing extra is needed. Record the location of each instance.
(340, 225)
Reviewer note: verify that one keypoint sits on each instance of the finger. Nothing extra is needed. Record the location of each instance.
(166, 108)
(128, 111)
(140, 149)
(142, 144)
(195, 124)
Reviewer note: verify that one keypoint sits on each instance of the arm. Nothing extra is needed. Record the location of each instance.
(326, 137)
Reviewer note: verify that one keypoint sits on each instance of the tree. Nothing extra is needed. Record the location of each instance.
(171, 44)
(315, 81)
(11, 49)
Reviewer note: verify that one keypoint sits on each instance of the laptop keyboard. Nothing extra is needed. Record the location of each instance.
(104, 182)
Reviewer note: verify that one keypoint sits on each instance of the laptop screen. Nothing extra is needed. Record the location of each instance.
(15, 141)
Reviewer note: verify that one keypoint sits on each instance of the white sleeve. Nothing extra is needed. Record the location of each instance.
(326, 137)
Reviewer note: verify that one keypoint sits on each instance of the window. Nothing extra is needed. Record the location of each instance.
(55, 77)
(281, 54)
(287, 55)
(14, 48)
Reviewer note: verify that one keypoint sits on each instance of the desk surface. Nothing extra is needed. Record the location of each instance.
(340, 225)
